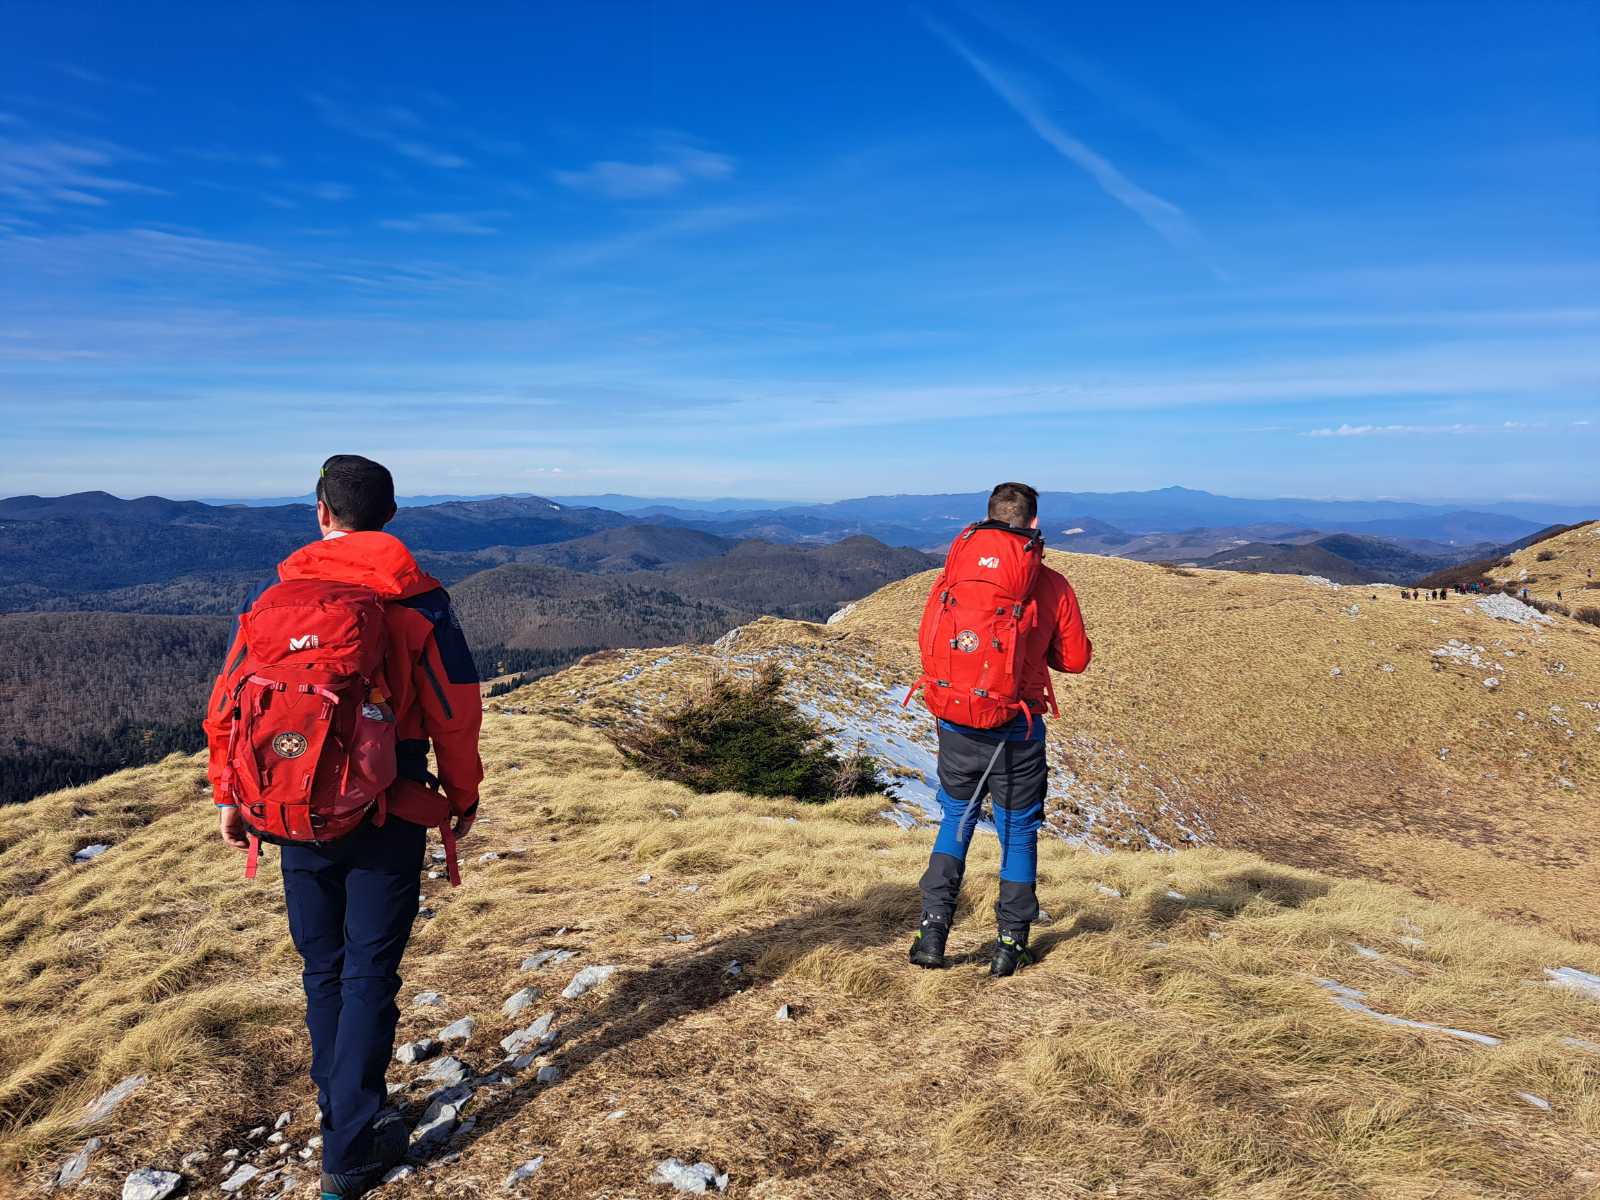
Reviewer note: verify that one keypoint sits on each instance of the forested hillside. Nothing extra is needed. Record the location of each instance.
(82, 694)
(85, 692)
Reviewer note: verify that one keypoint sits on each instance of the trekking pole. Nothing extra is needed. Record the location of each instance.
(969, 818)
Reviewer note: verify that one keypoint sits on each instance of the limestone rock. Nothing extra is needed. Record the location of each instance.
(147, 1183)
(547, 1075)
(103, 1105)
(427, 1000)
(458, 1031)
(547, 958)
(586, 979)
(73, 1170)
(520, 1000)
(240, 1177)
(525, 1171)
(692, 1179)
(413, 1052)
(519, 1040)
(449, 1071)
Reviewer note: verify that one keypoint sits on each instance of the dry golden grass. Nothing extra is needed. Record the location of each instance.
(1218, 689)
(1162, 1047)
(1213, 704)
(1574, 563)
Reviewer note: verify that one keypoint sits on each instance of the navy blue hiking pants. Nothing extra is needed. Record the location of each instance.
(1016, 790)
(351, 904)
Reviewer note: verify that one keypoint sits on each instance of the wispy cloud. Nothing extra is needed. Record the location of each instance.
(85, 74)
(684, 224)
(48, 174)
(1137, 105)
(475, 224)
(675, 164)
(330, 191)
(1164, 217)
(391, 125)
(1352, 431)
(235, 158)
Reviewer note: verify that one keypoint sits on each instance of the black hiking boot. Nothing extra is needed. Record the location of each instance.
(389, 1145)
(927, 944)
(1010, 953)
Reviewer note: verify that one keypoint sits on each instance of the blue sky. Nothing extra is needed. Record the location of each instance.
(802, 250)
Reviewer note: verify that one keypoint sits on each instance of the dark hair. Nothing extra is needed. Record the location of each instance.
(358, 491)
(1016, 504)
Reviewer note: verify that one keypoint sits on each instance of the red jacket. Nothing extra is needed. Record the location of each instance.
(1058, 642)
(432, 681)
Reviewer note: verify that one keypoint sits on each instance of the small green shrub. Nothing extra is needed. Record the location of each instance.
(746, 737)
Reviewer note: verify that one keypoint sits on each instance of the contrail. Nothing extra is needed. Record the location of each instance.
(1166, 218)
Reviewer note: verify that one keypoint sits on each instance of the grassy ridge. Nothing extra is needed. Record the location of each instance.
(1170, 1046)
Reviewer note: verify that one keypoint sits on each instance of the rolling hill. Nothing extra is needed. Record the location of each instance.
(1341, 557)
(148, 671)
(1367, 970)
(93, 551)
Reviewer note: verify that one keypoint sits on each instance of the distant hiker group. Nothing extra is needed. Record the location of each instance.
(1420, 594)
(350, 668)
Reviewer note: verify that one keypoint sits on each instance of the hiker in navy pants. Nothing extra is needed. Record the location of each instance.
(351, 890)
(351, 905)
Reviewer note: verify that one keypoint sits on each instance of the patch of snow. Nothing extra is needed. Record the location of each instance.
(89, 853)
(1355, 1001)
(1571, 977)
(842, 613)
(1073, 530)
(1508, 608)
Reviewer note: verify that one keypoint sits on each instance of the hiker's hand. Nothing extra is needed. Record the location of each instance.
(464, 822)
(231, 826)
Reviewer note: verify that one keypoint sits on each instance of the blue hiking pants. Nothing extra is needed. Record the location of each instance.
(1016, 790)
(351, 903)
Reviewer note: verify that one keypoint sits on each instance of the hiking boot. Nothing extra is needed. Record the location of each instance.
(389, 1145)
(927, 944)
(1010, 954)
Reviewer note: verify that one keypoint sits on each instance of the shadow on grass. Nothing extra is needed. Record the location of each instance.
(1230, 895)
(637, 1003)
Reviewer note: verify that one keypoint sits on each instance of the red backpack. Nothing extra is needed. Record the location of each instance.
(312, 747)
(974, 624)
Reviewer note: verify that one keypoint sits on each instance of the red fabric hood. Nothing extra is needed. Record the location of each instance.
(371, 559)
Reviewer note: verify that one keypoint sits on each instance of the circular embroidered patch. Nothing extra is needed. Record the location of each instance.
(289, 745)
(966, 641)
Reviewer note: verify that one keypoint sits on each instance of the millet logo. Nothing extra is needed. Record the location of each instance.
(989, 561)
(304, 642)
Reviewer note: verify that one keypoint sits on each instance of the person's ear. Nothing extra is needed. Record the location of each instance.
(324, 516)
(1034, 524)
